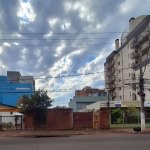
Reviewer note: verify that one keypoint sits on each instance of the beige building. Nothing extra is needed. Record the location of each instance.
(122, 65)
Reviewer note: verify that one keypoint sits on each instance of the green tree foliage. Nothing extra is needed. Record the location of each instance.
(36, 106)
(116, 113)
(132, 111)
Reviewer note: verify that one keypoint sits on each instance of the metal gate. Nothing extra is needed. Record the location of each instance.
(11, 122)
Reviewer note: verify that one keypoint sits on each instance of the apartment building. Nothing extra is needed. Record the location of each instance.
(87, 96)
(122, 65)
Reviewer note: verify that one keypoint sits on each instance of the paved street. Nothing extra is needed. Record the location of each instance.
(85, 142)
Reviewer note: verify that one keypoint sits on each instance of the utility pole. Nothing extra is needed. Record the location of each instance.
(108, 100)
(141, 93)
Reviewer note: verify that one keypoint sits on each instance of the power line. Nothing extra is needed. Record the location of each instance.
(102, 32)
(58, 39)
(55, 45)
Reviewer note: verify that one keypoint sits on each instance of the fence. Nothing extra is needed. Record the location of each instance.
(11, 122)
(123, 118)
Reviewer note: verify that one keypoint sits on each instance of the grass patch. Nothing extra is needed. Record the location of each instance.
(128, 125)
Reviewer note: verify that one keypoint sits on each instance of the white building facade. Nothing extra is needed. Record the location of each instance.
(122, 65)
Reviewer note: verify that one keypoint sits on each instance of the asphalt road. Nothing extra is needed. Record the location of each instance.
(98, 142)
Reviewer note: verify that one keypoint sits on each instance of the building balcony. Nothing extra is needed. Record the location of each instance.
(137, 62)
(138, 40)
(133, 86)
(134, 54)
(112, 79)
(112, 87)
(133, 65)
(114, 94)
(110, 64)
(145, 46)
(112, 72)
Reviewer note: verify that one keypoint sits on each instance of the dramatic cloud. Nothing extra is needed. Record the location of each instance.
(56, 39)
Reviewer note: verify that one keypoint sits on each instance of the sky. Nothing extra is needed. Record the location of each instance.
(63, 44)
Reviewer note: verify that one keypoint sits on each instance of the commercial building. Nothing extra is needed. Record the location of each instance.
(87, 96)
(122, 65)
(13, 86)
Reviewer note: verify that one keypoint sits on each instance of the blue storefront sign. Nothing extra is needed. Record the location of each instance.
(117, 103)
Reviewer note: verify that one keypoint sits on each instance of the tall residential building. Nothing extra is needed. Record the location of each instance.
(87, 96)
(13, 86)
(122, 65)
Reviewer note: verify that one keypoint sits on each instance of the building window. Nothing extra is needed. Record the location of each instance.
(130, 94)
(119, 71)
(120, 97)
(118, 54)
(120, 80)
(119, 88)
(89, 94)
(129, 65)
(104, 94)
(121, 54)
(118, 63)
(99, 93)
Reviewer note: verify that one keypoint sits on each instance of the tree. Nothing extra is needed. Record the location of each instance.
(116, 115)
(36, 106)
(132, 111)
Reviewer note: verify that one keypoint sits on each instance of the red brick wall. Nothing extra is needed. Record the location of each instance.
(82, 120)
(104, 118)
(28, 122)
(57, 119)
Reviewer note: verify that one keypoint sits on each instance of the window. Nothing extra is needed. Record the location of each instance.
(119, 71)
(89, 94)
(121, 54)
(118, 54)
(118, 63)
(120, 80)
(129, 65)
(130, 94)
(104, 93)
(119, 88)
(120, 97)
(128, 55)
(99, 93)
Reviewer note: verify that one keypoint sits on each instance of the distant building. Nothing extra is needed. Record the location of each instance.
(13, 86)
(85, 97)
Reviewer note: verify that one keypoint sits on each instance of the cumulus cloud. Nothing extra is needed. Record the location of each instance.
(37, 38)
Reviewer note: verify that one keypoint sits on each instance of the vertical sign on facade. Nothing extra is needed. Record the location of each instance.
(95, 120)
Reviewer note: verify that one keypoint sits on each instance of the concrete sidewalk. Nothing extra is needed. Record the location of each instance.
(66, 133)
